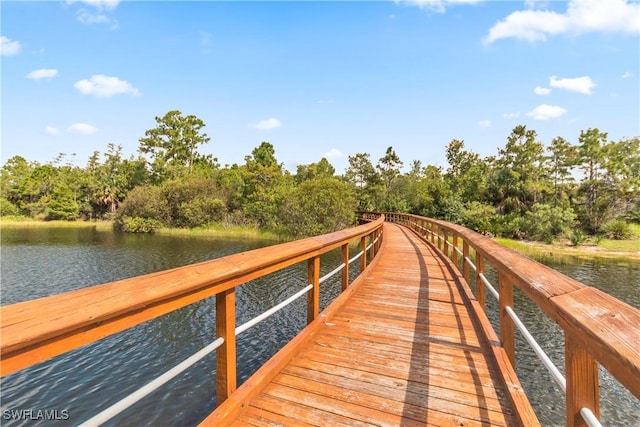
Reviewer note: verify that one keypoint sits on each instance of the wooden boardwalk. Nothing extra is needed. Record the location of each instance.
(410, 346)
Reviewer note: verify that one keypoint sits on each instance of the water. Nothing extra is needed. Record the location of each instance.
(81, 383)
(618, 407)
(45, 261)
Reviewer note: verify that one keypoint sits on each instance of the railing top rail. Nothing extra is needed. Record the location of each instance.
(604, 325)
(112, 307)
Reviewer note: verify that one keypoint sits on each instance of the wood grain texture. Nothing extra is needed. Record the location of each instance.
(601, 325)
(406, 348)
(36, 330)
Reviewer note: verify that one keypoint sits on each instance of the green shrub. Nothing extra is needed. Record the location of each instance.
(633, 215)
(8, 209)
(617, 229)
(577, 237)
(546, 222)
(62, 208)
(145, 202)
(317, 206)
(510, 226)
(478, 216)
(199, 211)
(138, 225)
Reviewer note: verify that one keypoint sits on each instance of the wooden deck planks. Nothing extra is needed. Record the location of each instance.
(405, 349)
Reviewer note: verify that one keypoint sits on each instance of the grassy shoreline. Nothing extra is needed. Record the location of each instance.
(618, 250)
(216, 230)
(33, 223)
(562, 252)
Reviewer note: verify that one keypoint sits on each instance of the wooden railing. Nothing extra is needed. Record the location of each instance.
(34, 331)
(598, 329)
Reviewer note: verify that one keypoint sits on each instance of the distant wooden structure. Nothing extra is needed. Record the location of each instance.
(406, 343)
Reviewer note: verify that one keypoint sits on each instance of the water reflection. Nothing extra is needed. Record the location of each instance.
(618, 407)
(42, 262)
(89, 379)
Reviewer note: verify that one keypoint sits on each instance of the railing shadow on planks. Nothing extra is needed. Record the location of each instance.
(37, 330)
(598, 328)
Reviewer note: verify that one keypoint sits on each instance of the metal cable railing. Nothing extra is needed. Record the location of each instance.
(152, 386)
(586, 414)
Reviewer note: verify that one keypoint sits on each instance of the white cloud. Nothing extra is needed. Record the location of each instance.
(546, 112)
(484, 123)
(82, 128)
(511, 115)
(8, 46)
(99, 14)
(581, 16)
(438, 6)
(92, 18)
(43, 73)
(582, 84)
(98, 4)
(539, 90)
(333, 153)
(267, 124)
(627, 75)
(50, 130)
(105, 86)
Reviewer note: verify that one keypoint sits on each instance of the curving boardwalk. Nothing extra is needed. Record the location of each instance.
(409, 345)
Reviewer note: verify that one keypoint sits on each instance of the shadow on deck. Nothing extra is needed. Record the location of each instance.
(407, 345)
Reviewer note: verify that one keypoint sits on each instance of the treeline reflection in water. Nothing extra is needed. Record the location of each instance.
(41, 262)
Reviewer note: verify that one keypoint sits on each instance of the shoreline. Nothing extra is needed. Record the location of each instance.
(558, 252)
(215, 230)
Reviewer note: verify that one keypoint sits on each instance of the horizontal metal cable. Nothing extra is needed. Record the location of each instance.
(358, 255)
(134, 397)
(369, 246)
(489, 286)
(470, 263)
(332, 272)
(458, 250)
(589, 418)
(240, 329)
(555, 372)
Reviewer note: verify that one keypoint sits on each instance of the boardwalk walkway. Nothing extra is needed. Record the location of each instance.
(407, 348)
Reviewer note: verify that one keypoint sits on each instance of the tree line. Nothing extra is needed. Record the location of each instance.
(526, 190)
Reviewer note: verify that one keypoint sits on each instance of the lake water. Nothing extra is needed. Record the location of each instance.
(44, 261)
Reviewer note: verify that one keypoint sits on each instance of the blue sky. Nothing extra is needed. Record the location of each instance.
(316, 79)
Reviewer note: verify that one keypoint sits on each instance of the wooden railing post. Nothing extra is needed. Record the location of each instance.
(507, 327)
(445, 247)
(482, 295)
(345, 269)
(363, 258)
(226, 353)
(582, 382)
(455, 252)
(313, 298)
(371, 249)
(465, 263)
